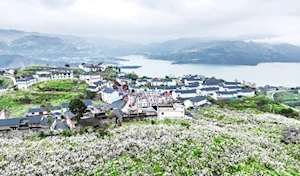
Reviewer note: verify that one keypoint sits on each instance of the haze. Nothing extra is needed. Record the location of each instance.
(145, 21)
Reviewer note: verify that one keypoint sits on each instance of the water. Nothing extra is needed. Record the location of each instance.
(276, 74)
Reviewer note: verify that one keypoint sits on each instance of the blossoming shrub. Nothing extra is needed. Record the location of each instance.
(216, 142)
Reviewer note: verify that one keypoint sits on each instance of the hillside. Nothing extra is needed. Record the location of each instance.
(224, 52)
(216, 142)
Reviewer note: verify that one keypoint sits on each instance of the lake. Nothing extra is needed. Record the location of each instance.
(276, 74)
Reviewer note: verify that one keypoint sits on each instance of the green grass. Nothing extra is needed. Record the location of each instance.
(5, 81)
(259, 104)
(54, 92)
(109, 74)
(290, 98)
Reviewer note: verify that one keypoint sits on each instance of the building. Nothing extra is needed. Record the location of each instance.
(65, 107)
(55, 109)
(90, 77)
(109, 95)
(123, 80)
(92, 88)
(91, 67)
(175, 111)
(70, 119)
(246, 93)
(223, 95)
(25, 83)
(229, 84)
(165, 82)
(3, 88)
(190, 80)
(192, 86)
(36, 112)
(141, 82)
(132, 87)
(23, 123)
(61, 73)
(42, 75)
(184, 94)
(209, 91)
(195, 102)
(231, 88)
(212, 83)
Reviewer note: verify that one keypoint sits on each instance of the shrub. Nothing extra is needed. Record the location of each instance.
(67, 133)
(41, 134)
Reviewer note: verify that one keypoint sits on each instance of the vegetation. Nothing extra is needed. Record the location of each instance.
(132, 76)
(259, 104)
(77, 107)
(216, 142)
(290, 98)
(5, 81)
(53, 92)
(109, 74)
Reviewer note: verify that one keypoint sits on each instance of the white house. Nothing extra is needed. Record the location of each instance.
(246, 93)
(232, 84)
(165, 82)
(109, 95)
(134, 87)
(190, 80)
(175, 111)
(62, 74)
(55, 109)
(195, 102)
(231, 88)
(209, 91)
(141, 82)
(25, 83)
(89, 67)
(212, 83)
(42, 75)
(123, 80)
(37, 112)
(90, 77)
(223, 95)
(184, 94)
(192, 86)
(92, 88)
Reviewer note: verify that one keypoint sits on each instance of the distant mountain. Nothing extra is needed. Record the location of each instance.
(50, 48)
(184, 51)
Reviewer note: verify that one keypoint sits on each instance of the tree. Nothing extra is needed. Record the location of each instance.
(47, 106)
(132, 76)
(67, 65)
(77, 107)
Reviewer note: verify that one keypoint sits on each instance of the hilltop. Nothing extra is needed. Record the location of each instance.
(216, 142)
(19, 49)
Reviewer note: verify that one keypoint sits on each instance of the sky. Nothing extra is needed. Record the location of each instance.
(146, 21)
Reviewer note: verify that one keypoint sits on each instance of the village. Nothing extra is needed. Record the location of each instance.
(124, 98)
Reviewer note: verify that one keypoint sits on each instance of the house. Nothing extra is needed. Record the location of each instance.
(90, 77)
(23, 123)
(223, 95)
(165, 82)
(209, 91)
(229, 84)
(192, 86)
(36, 112)
(65, 107)
(212, 83)
(175, 111)
(92, 88)
(55, 109)
(184, 94)
(141, 82)
(246, 93)
(3, 88)
(70, 119)
(195, 101)
(99, 84)
(87, 102)
(109, 95)
(42, 75)
(190, 80)
(61, 73)
(25, 83)
(134, 87)
(231, 88)
(90, 67)
(123, 80)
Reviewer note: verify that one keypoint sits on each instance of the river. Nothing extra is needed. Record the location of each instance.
(276, 74)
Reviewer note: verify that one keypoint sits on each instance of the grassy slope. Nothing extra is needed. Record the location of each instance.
(289, 98)
(217, 141)
(57, 93)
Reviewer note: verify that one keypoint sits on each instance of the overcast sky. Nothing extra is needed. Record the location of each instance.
(146, 21)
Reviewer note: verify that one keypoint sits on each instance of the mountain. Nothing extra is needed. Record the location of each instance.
(184, 51)
(52, 48)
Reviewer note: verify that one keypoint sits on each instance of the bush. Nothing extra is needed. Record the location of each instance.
(88, 129)
(41, 134)
(67, 133)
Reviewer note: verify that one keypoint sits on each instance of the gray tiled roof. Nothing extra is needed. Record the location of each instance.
(108, 90)
(87, 102)
(33, 110)
(197, 99)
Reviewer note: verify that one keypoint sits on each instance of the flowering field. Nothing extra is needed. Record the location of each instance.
(217, 142)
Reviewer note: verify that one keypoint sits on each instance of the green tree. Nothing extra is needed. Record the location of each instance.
(90, 95)
(132, 76)
(47, 106)
(77, 107)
